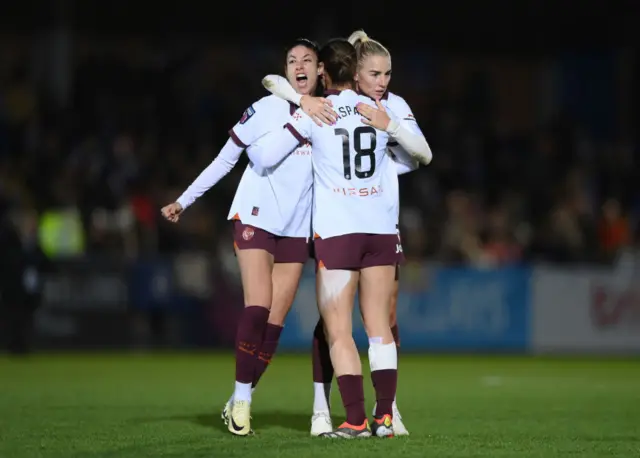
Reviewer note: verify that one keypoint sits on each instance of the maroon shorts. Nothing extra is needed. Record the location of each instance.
(283, 249)
(357, 251)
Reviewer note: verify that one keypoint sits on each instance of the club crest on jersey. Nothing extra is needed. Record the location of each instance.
(248, 233)
(247, 114)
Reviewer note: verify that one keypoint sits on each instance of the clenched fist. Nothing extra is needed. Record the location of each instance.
(172, 212)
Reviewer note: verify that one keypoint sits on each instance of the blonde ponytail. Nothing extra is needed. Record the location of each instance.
(359, 36)
(366, 47)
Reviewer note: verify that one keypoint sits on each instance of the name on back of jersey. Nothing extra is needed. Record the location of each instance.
(342, 112)
(346, 110)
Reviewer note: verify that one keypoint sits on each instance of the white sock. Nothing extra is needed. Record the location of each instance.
(242, 392)
(231, 398)
(321, 397)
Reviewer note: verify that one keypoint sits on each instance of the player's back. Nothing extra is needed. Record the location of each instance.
(350, 162)
(278, 199)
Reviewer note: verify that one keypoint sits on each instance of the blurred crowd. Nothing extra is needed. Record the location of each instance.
(139, 124)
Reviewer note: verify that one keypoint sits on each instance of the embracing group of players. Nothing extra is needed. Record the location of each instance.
(323, 174)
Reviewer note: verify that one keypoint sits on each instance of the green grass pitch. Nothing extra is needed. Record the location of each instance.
(86, 406)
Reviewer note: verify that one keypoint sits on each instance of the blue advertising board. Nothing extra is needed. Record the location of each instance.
(439, 309)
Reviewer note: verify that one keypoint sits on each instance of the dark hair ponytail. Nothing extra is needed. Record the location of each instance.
(340, 60)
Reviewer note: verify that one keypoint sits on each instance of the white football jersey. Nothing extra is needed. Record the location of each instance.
(400, 110)
(277, 199)
(350, 164)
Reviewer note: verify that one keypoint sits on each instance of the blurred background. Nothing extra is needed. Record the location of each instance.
(521, 236)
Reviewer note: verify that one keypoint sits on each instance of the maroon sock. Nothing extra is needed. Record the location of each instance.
(352, 392)
(395, 332)
(267, 350)
(384, 382)
(321, 357)
(248, 339)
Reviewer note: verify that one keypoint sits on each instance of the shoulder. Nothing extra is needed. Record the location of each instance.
(271, 102)
(399, 107)
(262, 111)
(396, 101)
(361, 98)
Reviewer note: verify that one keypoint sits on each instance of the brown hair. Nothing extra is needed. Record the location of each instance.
(340, 60)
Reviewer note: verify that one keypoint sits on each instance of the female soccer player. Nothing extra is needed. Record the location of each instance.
(271, 215)
(354, 223)
(372, 79)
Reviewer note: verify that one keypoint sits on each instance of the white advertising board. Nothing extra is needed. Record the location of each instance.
(585, 310)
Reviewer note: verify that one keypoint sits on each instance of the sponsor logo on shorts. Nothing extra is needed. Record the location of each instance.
(398, 248)
(248, 233)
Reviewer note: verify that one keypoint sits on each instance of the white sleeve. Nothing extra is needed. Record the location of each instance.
(405, 130)
(280, 87)
(402, 111)
(252, 124)
(403, 161)
(412, 143)
(219, 167)
(274, 147)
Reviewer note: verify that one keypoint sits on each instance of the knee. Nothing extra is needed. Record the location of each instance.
(393, 307)
(378, 328)
(393, 318)
(258, 294)
(337, 335)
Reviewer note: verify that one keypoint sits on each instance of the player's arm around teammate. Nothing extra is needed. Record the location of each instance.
(356, 241)
(373, 78)
(374, 70)
(270, 254)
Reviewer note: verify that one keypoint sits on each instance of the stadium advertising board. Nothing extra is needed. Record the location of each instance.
(84, 305)
(439, 309)
(586, 310)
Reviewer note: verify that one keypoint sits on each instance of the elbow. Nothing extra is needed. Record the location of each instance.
(264, 163)
(223, 164)
(257, 158)
(424, 154)
(428, 156)
(261, 162)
